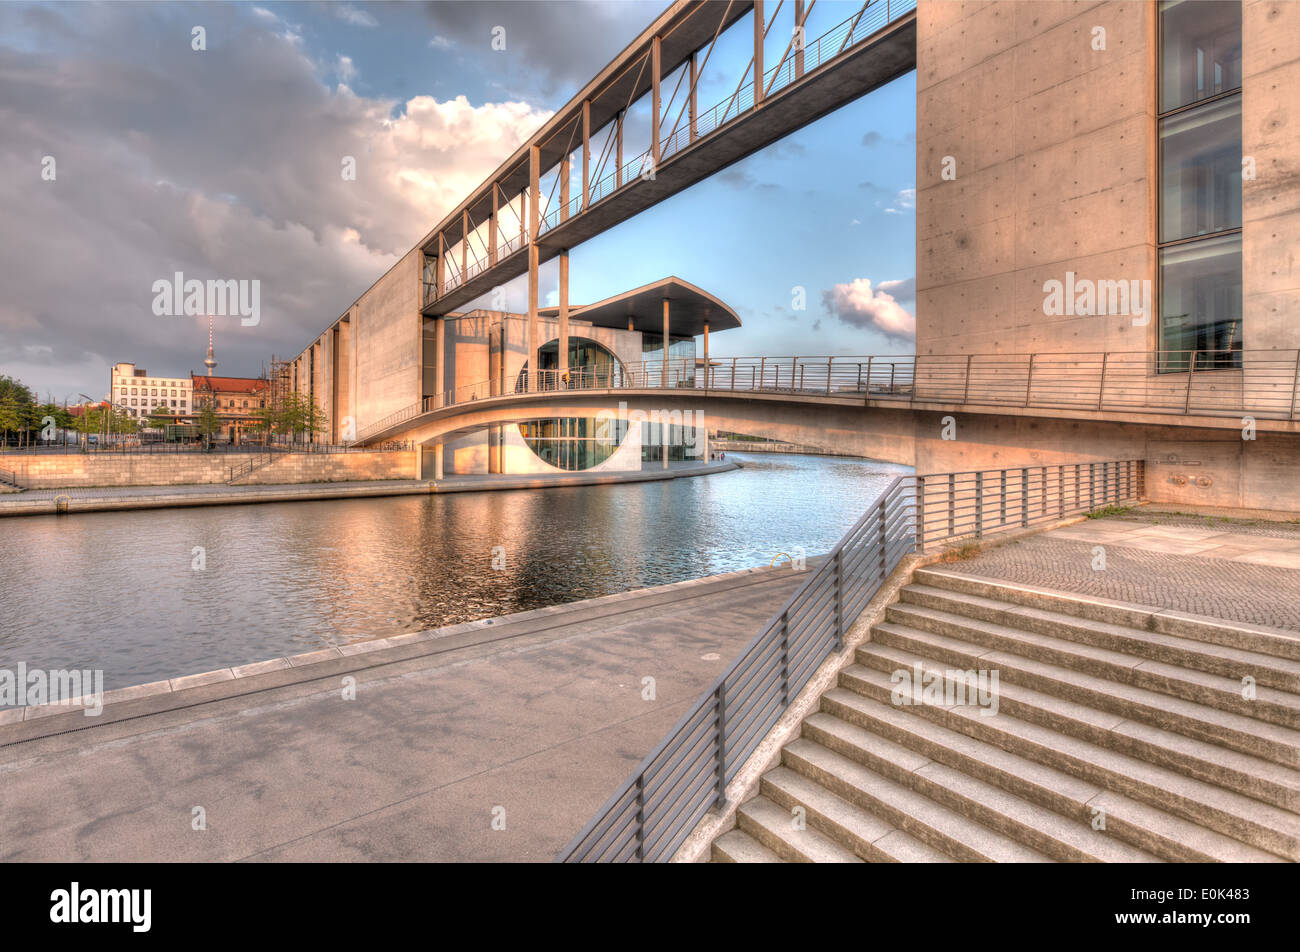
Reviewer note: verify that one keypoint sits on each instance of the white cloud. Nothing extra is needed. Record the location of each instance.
(353, 16)
(904, 201)
(346, 69)
(859, 305)
(441, 43)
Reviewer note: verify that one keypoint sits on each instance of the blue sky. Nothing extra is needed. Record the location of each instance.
(224, 163)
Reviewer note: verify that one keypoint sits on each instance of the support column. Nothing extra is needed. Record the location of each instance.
(492, 227)
(586, 153)
(664, 374)
(707, 380)
(464, 245)
(440, 351)
(564, 313)
(654, 106)
(437, 459)
(800, 14)
(758, 53)
(534, 223)
(694, 102)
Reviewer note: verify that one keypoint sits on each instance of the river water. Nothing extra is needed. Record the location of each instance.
(121, 592)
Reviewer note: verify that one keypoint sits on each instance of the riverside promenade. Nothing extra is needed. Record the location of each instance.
(529, 720)
(41, 502)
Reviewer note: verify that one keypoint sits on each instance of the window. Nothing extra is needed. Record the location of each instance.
(1200, 185)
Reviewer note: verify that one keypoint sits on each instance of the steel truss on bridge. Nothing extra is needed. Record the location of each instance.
(805, 84)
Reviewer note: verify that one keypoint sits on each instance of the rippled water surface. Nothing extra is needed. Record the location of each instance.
(117, 591)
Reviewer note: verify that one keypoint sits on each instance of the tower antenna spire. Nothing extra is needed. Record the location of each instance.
(210, 361)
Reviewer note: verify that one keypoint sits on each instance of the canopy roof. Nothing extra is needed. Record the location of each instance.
(689, 309)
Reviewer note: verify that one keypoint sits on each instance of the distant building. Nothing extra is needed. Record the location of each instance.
(236, 401)
(135, 391)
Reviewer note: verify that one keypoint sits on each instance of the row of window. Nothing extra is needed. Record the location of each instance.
(146, 402)
(151, 383)
(144, 391)
(1200, 183)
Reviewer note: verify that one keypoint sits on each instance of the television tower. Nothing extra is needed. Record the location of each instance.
(210, 361)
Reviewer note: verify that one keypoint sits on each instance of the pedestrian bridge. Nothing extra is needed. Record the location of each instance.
(869, 405)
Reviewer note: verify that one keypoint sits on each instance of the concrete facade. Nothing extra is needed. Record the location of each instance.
(1054, 145)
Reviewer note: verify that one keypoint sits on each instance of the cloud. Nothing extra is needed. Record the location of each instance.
(175, 161)
(859, 305)
(441, 43)
(353, 16)
(872, 139)
(346, 69)
(903, 202)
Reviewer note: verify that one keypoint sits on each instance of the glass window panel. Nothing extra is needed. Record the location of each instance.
(1200, 304)
(1200, 170)
(1200, 50)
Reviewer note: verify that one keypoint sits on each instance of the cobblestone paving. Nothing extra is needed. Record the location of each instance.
(1255, 527)
(1220, 588)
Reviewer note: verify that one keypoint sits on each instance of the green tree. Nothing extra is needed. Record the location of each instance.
(159, 417)
(207, 422)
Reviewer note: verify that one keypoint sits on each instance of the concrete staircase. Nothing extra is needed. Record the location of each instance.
(1105, 712)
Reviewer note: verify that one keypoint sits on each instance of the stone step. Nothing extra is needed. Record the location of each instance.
(1225, 693)
(1253, 825)
(1252, 776)
(1248, 735)
(889, 753)
(1267, 670)
(737, 846)
(773, 827)
(868, 836)
(930, 822)
(1257, 638)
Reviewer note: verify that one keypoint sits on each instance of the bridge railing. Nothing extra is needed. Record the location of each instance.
(1261, 384)
(655, 809)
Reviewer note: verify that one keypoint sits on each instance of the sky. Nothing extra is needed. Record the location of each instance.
(127, 156)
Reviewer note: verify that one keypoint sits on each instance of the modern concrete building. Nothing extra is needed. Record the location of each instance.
(1107, 200)
(479, 354)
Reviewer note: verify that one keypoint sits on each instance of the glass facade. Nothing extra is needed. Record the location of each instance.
(1200, 185)
(590, 365)
(681, 358)
(573, 442)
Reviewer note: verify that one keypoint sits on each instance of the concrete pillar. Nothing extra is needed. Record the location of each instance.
(534, 224)
(654, 96)
(566, 170)
(440, 357)
(564, 313)
(758, 53)
(800, 14)
(586, 153)
(437, 460)
(693, 108)
(664, 372)
(706, 354)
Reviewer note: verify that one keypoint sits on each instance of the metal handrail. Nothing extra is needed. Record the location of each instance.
(655, 809)
(1263, 384)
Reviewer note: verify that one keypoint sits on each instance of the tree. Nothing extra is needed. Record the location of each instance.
(207, 422)
(159, 417)
(300, 413)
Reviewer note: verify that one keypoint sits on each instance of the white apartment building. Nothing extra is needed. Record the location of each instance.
(137, 392)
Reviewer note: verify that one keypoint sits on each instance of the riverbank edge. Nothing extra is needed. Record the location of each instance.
(23, 724)
(20, 504)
